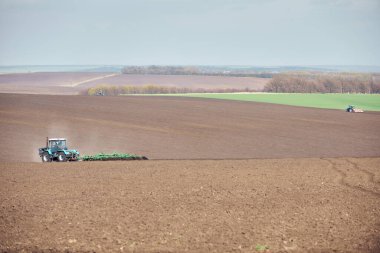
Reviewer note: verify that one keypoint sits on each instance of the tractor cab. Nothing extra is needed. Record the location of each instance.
(57, 144)
(350, 108)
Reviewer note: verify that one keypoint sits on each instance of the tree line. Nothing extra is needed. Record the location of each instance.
(291, 82)
(111, 90)
(324, 83)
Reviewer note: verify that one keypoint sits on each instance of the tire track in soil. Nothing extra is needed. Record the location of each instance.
(370, 175)
(343, 176)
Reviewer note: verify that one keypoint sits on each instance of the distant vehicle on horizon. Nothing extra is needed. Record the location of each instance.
(352, 108)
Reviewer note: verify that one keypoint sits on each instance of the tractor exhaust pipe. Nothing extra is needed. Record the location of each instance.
(47, 142)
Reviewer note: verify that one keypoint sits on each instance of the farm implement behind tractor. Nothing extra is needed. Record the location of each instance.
(112, 157)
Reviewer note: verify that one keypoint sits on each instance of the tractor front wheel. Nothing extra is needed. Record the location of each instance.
(46, 158)
(62, 157)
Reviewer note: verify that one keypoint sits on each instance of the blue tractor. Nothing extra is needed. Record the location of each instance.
(56, 150)
(352, 108)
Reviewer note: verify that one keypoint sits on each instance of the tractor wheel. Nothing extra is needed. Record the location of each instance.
(62, 157)
(46, 158)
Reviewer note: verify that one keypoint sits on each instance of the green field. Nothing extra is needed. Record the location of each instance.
(368, 102)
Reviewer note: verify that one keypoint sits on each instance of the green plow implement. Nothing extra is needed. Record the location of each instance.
(112, 157)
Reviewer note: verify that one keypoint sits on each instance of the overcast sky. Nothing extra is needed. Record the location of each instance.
(197, 32)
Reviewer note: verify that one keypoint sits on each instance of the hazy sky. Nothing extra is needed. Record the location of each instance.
(204, 32)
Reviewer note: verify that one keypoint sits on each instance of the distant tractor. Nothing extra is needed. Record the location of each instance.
(56, 150)
(352, 108)
(100, 93)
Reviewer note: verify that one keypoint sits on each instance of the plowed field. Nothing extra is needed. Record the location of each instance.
(182, 128)
(216, 199)
(46, 82)
(71, 83)
(288, 205)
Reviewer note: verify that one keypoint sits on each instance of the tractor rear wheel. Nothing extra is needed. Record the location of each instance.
(46, 158)
(62, 157)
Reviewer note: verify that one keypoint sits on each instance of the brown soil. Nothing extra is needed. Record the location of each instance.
(289, 205)
(72, 83)
(182, 128)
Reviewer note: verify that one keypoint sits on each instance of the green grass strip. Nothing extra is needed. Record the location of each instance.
(367, 102)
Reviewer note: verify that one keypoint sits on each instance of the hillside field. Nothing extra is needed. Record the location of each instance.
(182, 128)
(222, 176)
